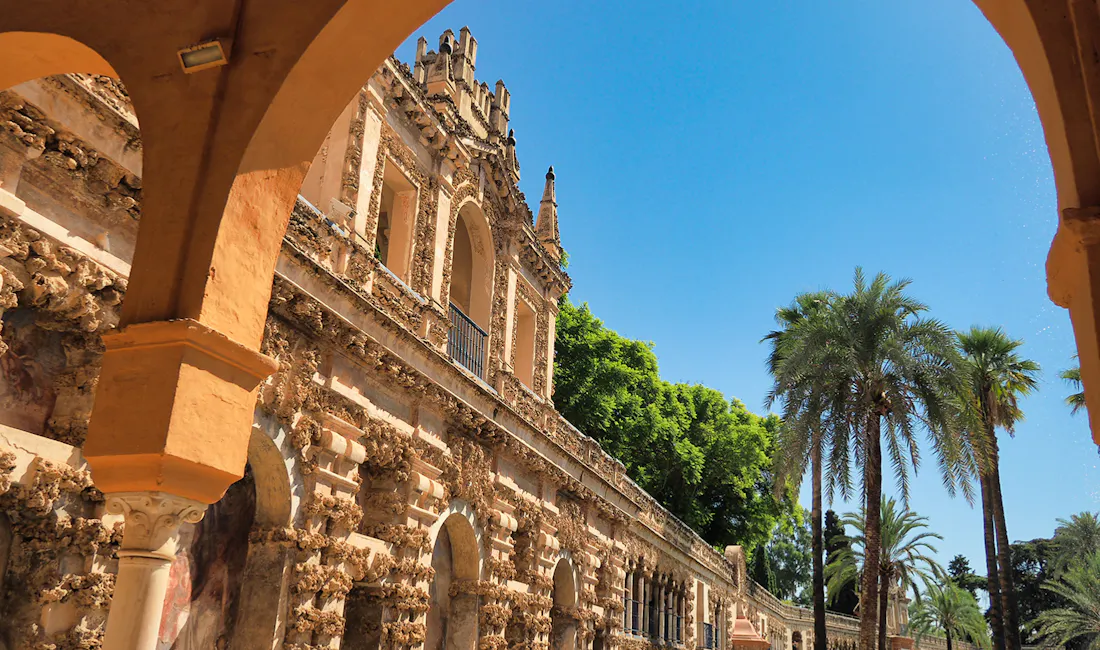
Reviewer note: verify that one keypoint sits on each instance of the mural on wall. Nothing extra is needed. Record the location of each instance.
(204, 582)
(29, 367)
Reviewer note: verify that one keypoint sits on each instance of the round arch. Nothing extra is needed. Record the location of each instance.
(25, 56)
(472, 261)
(272, 481)
(452, 619)
(566, 592)
(566, 595)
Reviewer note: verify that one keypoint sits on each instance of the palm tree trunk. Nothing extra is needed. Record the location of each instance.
(993, 582)
(820, 640)
(883, 607)
(872, 526)
(948, 633)
(1004, 551)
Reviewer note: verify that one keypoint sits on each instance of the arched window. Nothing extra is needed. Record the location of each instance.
(393, 243)
(471, 289)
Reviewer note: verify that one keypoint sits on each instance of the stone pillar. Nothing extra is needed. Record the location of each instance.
(627, 606)
(643, 610)
(149, 545)
(662, 620)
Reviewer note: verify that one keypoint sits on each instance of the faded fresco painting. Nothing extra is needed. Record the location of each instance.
(31, 360)
(204, 583)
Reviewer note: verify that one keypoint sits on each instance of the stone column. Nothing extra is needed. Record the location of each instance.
(662, 632)
(627, 606)
(149, 544)
(644, 611)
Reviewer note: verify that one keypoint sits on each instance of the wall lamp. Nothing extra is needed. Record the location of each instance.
(202, 56)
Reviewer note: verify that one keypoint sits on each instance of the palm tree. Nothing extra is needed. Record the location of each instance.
(1075, 400)
(1077, 538)
(884, 372)
(995, 378)
(800, 440)
(1080, 619)
(906, 545)
(952, 611)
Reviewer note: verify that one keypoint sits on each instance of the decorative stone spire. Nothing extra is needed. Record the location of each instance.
(547, 225)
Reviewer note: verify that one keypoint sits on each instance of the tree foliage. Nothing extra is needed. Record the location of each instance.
(1076, 399)
(951, 611)
(789, 558)
(906, 552)
(706, 458)
(963, 576)
(842, 599)
(1031, 563)
(1042, 562)
(1079, 618)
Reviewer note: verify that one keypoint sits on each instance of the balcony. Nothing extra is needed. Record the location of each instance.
(466, 342)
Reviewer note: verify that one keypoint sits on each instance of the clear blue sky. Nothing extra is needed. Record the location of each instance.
(716, 158)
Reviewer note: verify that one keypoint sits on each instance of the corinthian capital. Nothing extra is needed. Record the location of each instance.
(153, 521)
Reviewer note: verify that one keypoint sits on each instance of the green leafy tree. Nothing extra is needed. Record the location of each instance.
(995, 377)
(802, 438)
(842, 600)
(1032, 563)
(905, 547)
(963, 576)
(1079, 619)
(886, 372)
(951, 611)
(706, 458)
(790, 559)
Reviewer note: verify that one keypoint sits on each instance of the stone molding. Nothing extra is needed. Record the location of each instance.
(189, 333)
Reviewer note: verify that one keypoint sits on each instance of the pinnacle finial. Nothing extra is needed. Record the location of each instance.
(546, 227)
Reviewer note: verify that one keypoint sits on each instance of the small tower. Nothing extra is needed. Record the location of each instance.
(547, 225)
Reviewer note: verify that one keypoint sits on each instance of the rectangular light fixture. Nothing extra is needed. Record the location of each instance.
(202, 56)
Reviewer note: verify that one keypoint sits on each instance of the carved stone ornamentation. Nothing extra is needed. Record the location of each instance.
(153, 521)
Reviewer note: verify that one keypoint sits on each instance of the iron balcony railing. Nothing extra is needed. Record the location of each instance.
(466, 342)
(708, 636)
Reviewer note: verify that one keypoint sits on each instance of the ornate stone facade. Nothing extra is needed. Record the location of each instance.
(407, 486)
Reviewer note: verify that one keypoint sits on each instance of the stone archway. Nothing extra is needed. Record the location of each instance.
(563, 615)
(452, 619)
(264, 580)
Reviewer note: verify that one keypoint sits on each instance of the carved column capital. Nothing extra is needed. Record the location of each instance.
(153, 521)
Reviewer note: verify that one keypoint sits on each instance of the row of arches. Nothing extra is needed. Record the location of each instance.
(452, 620)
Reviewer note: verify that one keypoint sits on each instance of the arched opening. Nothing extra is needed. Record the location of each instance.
(471, 289)
(796, 641)
(70, 191)
(563, 615)
(203, 603)
(264, 579)
(452, 619)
